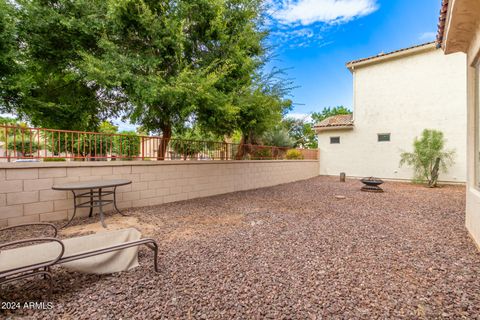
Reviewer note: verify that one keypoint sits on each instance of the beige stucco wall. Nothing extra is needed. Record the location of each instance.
(472, 219)
(401, 96)
(26, 195)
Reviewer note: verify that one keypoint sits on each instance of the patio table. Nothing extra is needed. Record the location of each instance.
(95, 195)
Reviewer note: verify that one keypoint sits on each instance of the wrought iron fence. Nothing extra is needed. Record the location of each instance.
(23, 143)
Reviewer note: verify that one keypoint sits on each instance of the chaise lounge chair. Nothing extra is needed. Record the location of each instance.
(100, 253)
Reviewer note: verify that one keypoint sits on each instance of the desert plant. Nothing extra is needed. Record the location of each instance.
(428, 157)
(294, 154)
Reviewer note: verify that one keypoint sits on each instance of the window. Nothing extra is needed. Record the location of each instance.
(477, 125)
(383, 137)
(334, 140)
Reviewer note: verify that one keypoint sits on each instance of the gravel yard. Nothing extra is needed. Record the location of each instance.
(292, 251)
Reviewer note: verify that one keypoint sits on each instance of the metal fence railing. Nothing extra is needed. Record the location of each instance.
(23, 143)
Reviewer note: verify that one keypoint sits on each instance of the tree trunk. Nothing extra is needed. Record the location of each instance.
(241, 149)
(434, 174)
(163, 145)
(245, 147)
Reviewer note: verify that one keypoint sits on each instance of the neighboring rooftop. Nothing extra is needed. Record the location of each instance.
(336, 122)
(391, 55)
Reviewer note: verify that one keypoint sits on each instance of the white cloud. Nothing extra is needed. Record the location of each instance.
(427, 36)
(304, 32)
(299, 37)
(306, 12)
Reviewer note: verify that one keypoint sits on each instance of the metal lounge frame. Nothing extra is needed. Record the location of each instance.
(44, 268)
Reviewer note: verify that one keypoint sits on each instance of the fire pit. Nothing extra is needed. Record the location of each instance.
(372, 184)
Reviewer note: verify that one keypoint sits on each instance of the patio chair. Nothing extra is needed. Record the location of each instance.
(100, 253)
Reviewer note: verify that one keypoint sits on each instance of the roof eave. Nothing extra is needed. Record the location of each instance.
(390, 56)
(442, 21)
(333, 128)
(458, 24)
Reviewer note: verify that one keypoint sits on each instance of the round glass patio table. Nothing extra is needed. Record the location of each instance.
(95, 195)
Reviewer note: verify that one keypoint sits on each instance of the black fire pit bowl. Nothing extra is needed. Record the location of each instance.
(372, 184)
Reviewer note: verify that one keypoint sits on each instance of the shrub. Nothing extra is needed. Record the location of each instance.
(185, 149)
(278, 137)
(428, 157)
(25, 147)
(294, 154)
(261, 154)
(127, 145)
(53, 159)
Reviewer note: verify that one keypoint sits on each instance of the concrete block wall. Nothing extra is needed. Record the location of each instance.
(26, 194)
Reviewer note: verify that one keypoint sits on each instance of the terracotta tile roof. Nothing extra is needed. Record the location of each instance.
(441, 22)
(389, 53)
(343, 120)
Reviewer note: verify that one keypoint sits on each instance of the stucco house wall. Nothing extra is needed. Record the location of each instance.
(472, 219)
(401, 95)
(459, 31)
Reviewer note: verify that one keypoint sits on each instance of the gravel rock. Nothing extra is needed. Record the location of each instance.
(287, 252)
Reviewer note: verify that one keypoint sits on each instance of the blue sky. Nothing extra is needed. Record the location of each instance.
(313, 40)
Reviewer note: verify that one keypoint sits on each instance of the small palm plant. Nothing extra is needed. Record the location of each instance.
(428, 157)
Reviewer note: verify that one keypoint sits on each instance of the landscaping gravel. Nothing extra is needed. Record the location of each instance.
(294, 251)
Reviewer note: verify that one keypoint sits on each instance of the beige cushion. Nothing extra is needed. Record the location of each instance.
(116, 261)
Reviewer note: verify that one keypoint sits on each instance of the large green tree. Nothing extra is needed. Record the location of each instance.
(170, 59)
(177, 60)
(49, 87)
(8, 48)
(162, 63)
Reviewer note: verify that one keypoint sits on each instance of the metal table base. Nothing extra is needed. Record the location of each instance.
(91, 194)
(96, 200)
